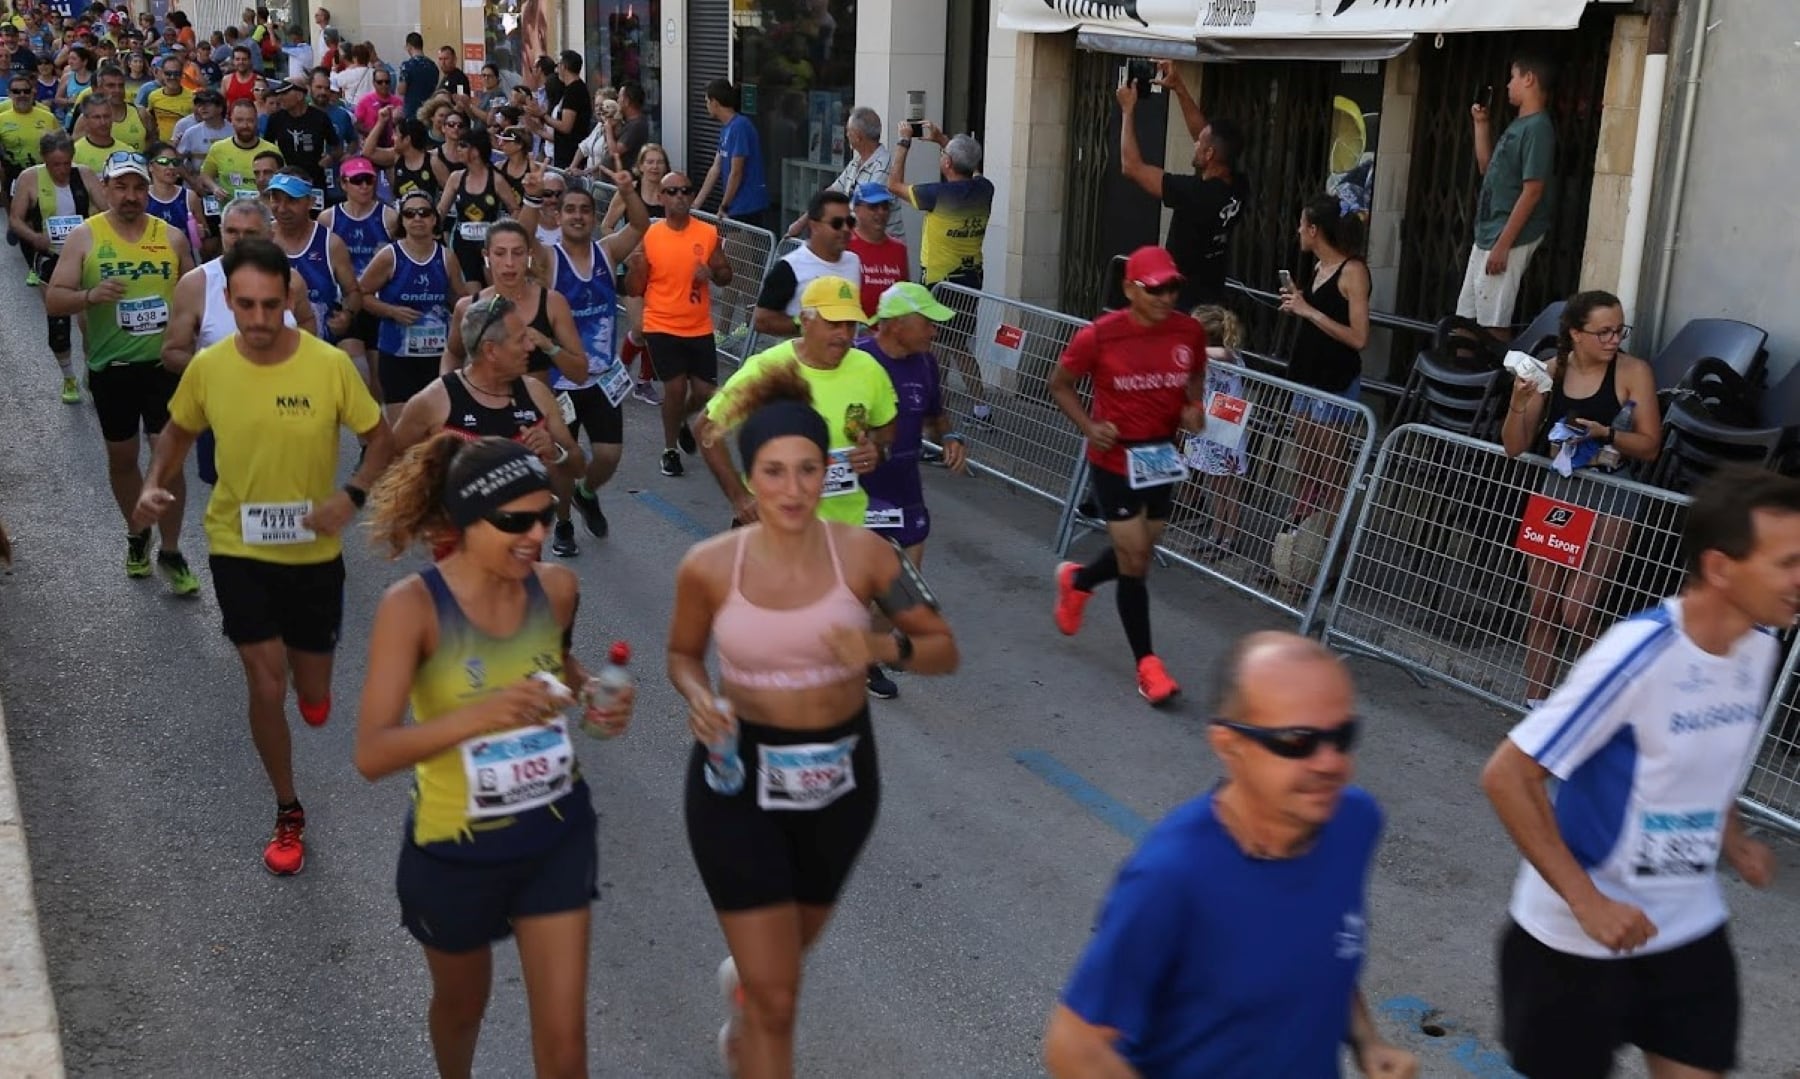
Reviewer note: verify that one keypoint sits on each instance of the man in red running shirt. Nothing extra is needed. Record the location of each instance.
(884, 259)
(1148, 368)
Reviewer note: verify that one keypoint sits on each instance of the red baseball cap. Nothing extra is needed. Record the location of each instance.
(1152, 267)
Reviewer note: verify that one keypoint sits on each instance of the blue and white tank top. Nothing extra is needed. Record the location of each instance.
(594, 301)
(314, 266)
(362, 235)
(424, 287)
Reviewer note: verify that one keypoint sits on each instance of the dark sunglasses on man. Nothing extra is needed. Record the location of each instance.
(1297, 743)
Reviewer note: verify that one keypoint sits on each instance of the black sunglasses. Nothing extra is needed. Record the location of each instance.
(498, 306)
(381, 82)
(688, 191)
(419, 211)
(837, 222)
(166, 162)
(363, 179)
(519, 522)
(20, 89)
(1297, 743)
(1168, 289)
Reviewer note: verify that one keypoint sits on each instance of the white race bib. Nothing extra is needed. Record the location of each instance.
(1675, 846)
(318, 199)
(143, 316)
(245, 193)
(59, 227)
(805, 776)
(566, 405)
(884, 517)
(1155, 465)
(268, 523)
(519, 770)
(209, 204)
(427, 338)
(840, 478)
(615, 382)
(474, 232)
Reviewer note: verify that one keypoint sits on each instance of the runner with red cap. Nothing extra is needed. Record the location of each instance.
(1147, 364)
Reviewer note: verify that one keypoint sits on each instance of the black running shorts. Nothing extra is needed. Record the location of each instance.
(302, 606)
(679, 357)
(1118, 502)
(130, 397)
(589, 410)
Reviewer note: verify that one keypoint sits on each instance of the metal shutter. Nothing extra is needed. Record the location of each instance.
(708, 58)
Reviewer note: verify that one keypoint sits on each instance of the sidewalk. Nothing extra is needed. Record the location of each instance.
(30, 1039)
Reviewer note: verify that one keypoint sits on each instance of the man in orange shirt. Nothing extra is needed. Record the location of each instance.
(681, 258)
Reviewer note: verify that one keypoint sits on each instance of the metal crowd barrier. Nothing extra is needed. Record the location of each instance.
(757, 342)
(1772, 790)
(1468, 566)
(1267, 502)
(751, 251)
(999, 352)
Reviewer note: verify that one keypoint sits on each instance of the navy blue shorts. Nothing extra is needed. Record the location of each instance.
(459, 905)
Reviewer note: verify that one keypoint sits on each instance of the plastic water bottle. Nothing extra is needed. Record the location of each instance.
(604, 688)
(724, 769)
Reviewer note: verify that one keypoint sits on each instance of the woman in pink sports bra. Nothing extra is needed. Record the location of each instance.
(786, 602)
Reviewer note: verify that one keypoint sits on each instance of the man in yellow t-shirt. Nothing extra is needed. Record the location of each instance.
(171, 100)
(850, 389)
(275, 398)
(22, 124)
(230, 165)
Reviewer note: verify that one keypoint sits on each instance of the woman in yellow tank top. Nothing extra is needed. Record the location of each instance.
(501, 836)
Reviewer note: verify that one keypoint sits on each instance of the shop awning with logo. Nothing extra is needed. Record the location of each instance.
(1269, 29)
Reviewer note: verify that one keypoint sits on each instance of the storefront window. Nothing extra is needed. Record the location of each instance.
(796, 61)
(622, 47)
(517, 33)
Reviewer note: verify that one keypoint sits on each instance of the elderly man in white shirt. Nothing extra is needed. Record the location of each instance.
(869, 164)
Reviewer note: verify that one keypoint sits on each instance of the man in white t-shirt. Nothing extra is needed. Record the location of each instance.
(825, 254)
(1618, 933)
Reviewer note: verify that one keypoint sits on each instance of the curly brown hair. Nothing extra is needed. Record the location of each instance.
(407, 504)
(781, 382)
(1223, 328)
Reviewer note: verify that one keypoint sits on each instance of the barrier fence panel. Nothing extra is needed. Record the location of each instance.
(751, 252)
(999, 353)
(1772, 790)
(1491, 573)
(1266, 505)
(758, 341)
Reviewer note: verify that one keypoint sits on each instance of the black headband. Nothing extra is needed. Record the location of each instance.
(778, 419)
(511, 472)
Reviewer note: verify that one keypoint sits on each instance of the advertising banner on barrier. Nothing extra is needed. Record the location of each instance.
(1003, 350)
(1555, 531)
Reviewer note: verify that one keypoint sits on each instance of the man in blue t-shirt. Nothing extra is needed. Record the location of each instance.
(418, 74)
(1231, 943)
(745, 197)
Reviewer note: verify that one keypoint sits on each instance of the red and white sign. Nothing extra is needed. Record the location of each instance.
(1227, 418)
(1004, 349)
(1555, 531)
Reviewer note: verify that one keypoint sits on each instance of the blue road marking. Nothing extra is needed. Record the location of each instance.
(1458, 1046)
(679, 517)
(1111, 812)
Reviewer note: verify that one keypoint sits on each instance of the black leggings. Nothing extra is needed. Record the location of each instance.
(751, 857)
(59, 326)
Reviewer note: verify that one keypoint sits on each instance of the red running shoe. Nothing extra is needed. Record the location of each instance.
(286, 853)
(315, 712)
(1070, 601)
(1154, 683)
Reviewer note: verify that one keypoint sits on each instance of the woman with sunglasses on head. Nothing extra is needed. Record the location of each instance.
(473, 199)
(411, 286)
(1600, 399)
(501, 837)
(786, 602)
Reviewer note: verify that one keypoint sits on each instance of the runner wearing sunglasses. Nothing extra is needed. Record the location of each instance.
(1231, 943)
(276, 398)
(1147, 365)
(366, 226)
(411, 287)
(459, 645)
(170, 198)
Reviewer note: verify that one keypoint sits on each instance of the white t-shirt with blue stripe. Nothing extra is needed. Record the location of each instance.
(1651, 738)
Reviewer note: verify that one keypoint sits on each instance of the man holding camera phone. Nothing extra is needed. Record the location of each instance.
(1207, 205)
(1515, 209)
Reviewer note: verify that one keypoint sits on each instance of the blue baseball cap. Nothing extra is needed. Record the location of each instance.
(873, 194)
(296, 187)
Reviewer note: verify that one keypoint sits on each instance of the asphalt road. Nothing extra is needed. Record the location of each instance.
(1010, 791)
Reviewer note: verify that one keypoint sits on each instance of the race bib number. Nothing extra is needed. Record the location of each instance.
(427, 338)
(884, 517)
(519, 770)
(566, 405)
(1677, 846)
(840, 478)
(209, 205)
(143, 316)
(318, 199)
(59, 227)
(615, 382)
(1155, 465)
(474, 232)
(806, 776)
(245, 193)
(266, 524)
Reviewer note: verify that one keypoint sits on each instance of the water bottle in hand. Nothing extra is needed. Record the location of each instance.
(604, 689)
(724, 769)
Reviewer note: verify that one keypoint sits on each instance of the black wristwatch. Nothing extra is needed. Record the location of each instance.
(1609, 437)
(358, 496)
(905, 644)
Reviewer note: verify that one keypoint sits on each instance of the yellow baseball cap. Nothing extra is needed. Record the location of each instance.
(835, 299)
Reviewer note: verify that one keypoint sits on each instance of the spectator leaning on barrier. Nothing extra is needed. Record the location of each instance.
(870, 162)
(1516, 204)
(824, 254)
(1599, 399)
(1207, 205)
(883, 256)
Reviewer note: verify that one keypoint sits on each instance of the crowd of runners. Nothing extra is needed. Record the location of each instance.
(250, 263)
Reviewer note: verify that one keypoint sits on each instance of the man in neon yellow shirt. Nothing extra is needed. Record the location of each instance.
(850, 388)
(230, 166)
(22, 123)
(276, 398)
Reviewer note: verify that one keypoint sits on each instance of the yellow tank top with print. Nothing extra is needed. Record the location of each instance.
(131, 330)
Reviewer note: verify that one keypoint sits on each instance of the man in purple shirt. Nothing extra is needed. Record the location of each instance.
(906, 322)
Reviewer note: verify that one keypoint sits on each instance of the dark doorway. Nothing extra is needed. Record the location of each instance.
(1104, 214)
(965, 76)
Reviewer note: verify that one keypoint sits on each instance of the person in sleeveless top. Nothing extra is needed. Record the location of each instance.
(410, 287)
(1333, 309)
(786, 601)
(463, 645)
(474, 198)
(366, 226)
(1593, 384)
(322, 257)
(49, 200)
(555, 342)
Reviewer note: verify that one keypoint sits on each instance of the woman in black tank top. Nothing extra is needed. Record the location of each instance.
(473, 201)
(1592, 383)
(555, 341)
(1333, 309)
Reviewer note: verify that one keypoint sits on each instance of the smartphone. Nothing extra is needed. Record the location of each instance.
(913, 129)
(1141, 74)
(1287, 280)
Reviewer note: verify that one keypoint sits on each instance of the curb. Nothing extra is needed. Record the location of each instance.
(30, 1037)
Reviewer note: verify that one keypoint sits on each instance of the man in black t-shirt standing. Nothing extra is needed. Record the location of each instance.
(1208, 205)
(571, 110)
(452, 79)
(305, 136)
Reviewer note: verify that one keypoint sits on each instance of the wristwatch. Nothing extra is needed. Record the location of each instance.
(358, 496)
(903, 143)
(905, 644)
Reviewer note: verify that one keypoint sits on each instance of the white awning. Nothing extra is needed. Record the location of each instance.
(1203, 20)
